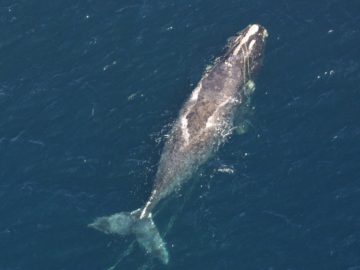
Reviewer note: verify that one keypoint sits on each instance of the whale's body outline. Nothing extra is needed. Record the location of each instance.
(204, 123)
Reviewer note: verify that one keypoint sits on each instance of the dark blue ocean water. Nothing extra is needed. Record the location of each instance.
(89, 89)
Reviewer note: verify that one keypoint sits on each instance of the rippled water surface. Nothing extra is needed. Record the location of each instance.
(89, 90)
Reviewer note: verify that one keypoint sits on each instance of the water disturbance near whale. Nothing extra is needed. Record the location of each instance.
(204, 123)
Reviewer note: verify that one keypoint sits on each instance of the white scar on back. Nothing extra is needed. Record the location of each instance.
(195, 93)
(184, 128)
(211, 120)
(183, 120)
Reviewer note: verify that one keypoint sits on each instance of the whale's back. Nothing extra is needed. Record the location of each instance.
(206, 119)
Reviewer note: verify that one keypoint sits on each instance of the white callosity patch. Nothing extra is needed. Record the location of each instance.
(265, 35)
(253, 30)
(236, 51)
(252, 43)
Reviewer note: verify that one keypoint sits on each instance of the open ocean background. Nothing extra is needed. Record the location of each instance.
(89, 89)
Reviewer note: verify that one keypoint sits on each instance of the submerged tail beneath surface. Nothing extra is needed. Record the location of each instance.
(144, 229)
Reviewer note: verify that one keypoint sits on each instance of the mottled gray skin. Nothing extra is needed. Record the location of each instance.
(206, 119)
(204, 123)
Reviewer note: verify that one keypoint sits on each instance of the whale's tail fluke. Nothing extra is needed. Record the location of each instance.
(144, 229)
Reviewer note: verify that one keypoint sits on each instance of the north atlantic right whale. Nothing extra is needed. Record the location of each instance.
(204, 123)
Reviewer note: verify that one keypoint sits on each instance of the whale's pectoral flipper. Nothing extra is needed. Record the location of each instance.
(144, 229)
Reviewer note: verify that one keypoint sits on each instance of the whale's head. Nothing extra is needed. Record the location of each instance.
(247, 49)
